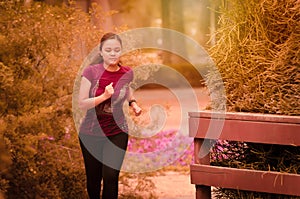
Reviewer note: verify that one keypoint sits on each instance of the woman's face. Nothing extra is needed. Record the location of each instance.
(111, 51)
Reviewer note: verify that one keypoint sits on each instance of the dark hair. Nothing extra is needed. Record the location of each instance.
(108, 36)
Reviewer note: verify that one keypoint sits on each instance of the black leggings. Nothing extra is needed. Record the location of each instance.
(103, 159)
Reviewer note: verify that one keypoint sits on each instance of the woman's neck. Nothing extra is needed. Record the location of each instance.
(111, 68)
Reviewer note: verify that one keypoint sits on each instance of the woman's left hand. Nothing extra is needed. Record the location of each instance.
(137, 110)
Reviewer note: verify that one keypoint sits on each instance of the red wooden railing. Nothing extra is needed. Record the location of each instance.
(245, 127)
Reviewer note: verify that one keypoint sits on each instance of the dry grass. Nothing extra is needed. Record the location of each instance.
(258, 55)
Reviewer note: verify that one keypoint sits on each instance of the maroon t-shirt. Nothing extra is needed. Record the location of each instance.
(108, 117)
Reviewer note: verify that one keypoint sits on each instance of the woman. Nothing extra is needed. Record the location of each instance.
(103, 132)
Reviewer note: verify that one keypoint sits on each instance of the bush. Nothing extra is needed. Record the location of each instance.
(257, 54)
(41, 49)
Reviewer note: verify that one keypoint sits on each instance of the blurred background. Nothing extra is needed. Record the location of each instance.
(195, 18)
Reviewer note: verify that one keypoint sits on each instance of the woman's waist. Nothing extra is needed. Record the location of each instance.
(102, 115)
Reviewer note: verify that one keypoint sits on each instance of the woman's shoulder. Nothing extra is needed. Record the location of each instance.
(94, 67)
(126, 68)
(127, 71)
(92, 71)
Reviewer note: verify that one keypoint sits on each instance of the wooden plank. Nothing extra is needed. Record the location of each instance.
(245, 179)
(246, 131)
(246, 116)
(202, 192)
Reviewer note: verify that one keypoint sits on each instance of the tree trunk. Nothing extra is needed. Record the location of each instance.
(177, 23)
(212, 20)
(83, 5)
(27, 3)
(204, 22)
(105, 22)
(172, 18)
(165, 15)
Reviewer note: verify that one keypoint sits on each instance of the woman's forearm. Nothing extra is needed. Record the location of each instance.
(89, 103)
(85, 102)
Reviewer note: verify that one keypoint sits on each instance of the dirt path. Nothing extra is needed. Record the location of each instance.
(173, 185)
(176, 102)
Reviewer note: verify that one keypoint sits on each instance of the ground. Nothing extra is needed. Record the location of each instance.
(171, 184)
(174, 185)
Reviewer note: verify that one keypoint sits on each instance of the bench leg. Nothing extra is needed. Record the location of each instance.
(203, 192)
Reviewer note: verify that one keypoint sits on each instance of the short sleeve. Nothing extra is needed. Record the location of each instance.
(87, 73)
(129, 73)
(132, 74)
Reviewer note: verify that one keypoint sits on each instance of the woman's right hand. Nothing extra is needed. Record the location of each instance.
(109, 90)
(85, 102)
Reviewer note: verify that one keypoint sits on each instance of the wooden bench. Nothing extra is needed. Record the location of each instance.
(244, 127)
